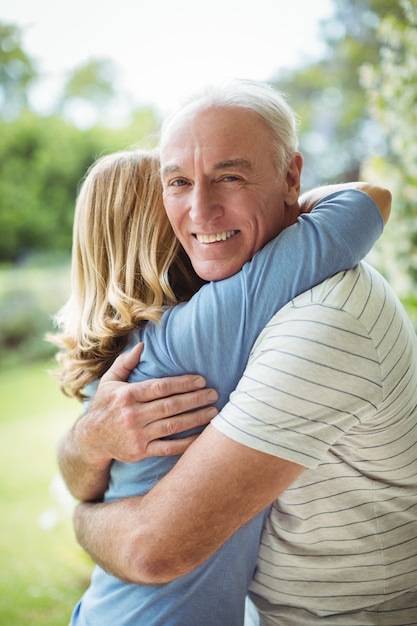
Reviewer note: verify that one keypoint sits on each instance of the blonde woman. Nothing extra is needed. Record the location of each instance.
(129, 277)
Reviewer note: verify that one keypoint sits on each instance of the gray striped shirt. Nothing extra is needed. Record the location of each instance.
(331, 384)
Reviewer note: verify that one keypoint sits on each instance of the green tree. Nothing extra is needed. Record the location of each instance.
(92, 91)
(17, 72)
(93, 81)
(43, 158)
(336, 131)
(392, 94)
(42, 161)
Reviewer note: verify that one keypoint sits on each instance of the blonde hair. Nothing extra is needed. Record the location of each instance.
(126, 266)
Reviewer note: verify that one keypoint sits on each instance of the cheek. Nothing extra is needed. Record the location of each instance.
(172, 211)
(264, 229)
(274, 218)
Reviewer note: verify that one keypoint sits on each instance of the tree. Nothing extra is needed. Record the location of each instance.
(42, 161)
(17, 72)
(92, 94)
(337, 133)
(392, 95)
(43, 158)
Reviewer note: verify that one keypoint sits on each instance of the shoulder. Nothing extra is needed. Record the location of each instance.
(340, 311)
(353, 312)
(350, 291)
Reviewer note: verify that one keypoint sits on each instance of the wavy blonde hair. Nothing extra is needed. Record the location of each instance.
(126, 266)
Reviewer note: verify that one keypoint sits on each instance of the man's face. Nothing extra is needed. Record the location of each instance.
(222, 193)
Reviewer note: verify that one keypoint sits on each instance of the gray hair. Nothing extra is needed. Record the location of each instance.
(255, 96)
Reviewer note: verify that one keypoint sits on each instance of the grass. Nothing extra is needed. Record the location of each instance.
(43, 570)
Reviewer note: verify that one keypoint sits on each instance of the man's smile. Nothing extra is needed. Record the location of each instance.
(226, 234)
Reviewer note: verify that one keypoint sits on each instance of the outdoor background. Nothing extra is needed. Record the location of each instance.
(88, 78)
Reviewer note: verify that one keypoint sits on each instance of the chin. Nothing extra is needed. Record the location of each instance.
(216, 271)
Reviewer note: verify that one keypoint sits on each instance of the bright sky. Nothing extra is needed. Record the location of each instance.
(167, 48)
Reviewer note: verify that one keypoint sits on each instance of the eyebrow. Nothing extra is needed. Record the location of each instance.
(240, 163)
(245, 164)
(170, 168)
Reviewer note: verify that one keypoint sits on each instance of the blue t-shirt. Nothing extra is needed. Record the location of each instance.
(212, 335)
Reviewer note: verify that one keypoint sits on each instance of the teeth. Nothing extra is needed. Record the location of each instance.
(226, 234)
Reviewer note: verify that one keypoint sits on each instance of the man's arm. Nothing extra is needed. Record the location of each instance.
(215, 488)
(121, 424)
(381, 196)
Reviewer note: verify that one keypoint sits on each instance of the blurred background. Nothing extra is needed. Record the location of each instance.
(81, 79)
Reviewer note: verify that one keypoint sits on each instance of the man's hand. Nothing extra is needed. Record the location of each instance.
(126, 422)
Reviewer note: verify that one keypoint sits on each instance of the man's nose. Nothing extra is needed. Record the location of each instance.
(205, 204)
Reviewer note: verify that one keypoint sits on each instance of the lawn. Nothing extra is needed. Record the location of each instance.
(43, 570)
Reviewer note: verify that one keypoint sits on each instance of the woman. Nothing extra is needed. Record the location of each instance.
(127, 275)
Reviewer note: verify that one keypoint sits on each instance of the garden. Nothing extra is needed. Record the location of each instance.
(43, 571)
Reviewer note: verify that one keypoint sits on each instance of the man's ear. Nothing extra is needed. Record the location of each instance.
(293, 179)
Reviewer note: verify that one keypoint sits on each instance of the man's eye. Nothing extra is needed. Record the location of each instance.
(178, 182)
(230, 178)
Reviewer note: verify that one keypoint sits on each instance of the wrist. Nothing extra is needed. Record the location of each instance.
(84, 440)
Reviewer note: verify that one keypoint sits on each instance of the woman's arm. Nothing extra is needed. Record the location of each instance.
(213, 333)
(381, 196)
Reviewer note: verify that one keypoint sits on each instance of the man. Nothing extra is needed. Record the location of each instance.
(329, 398)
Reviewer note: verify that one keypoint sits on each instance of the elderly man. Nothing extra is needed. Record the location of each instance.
(322, 425)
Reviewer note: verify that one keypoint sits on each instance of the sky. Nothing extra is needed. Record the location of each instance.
(165, 49)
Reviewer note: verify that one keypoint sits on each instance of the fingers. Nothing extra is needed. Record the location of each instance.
(120, 427)
(164, 388)
(151, 389)
(173, 406)
(179, 423)
(123, 365)
(129, 422)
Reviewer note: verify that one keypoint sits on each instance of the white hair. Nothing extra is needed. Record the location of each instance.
(255, 96)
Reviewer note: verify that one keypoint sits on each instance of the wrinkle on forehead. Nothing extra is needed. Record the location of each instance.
(238, 163)
(242, 164)
(214, 140)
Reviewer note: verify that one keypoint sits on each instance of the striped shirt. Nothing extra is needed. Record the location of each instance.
(331, 384)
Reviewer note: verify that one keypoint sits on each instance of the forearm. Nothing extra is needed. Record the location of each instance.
(102, 529)
(188, 515)
(381, 196)
(85, 481)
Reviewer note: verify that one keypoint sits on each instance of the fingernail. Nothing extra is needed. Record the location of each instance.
(211, 412)
(211, 395)
(199, 382)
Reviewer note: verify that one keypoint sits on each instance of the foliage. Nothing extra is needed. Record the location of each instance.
(29, 296)
(92, 95)
(392, 93)
(42, 161)
(17, 72)
(92, 81)
(336, 131)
